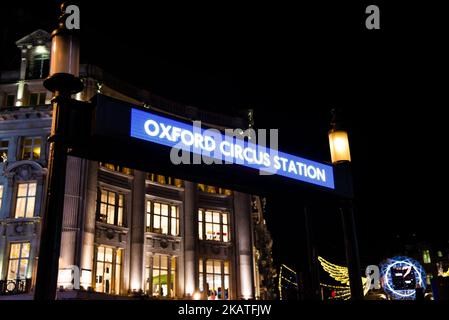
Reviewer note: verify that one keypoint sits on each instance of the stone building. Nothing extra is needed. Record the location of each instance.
(129, 232)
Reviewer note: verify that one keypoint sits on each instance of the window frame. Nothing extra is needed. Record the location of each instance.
(224, 277)
(32, 146)
(209, 189)
(13, 102)
(119, 217)
(40, 68)
(171, 280)
(20, 258)
(171, 218)
(117, 253)
(39, 96)
(4, 149)
(16, 198)
(426, 256)
(165, 180)
(202, 223)
(116, 168)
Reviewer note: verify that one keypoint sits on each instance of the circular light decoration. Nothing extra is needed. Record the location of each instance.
(401, 276)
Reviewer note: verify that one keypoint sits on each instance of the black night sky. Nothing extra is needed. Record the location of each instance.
(292, 63)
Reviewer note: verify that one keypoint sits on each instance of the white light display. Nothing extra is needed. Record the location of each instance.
(401, 276)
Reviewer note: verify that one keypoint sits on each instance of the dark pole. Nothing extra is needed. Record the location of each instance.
(312, 288)
(63, 85)
(342, 167)
(352, 250)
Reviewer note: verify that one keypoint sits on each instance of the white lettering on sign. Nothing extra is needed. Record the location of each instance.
(214, 147)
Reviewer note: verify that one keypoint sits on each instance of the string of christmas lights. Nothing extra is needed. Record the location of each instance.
(340, 274)
(334, 287)
(282, 278)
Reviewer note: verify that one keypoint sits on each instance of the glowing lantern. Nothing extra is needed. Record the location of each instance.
(338, 142)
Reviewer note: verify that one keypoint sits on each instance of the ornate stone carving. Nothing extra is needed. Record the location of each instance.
(163, 243)
(215, 249)
(2, 230)
(19, 228)
(110, 234)
(25, 170)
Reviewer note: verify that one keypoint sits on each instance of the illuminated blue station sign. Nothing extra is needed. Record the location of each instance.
(212, 145)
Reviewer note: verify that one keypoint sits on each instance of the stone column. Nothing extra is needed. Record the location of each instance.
(243, 245)
(14, 149)
(137, 228)
(23, 62)
(87, 251)
(190, 239)
(5, 210)
(20, 95)
(8, 191)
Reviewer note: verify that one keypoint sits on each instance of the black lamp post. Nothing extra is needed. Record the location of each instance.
(63, 82)
(341, 159)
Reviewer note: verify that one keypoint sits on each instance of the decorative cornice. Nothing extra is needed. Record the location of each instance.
(26, 113)
(38, 37)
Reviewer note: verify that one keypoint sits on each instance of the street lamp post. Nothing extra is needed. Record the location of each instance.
(341, 159)
(312, 281)
(63, 82)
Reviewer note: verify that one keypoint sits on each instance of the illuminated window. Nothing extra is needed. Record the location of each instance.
(178, 183)
(226, 192)
(163, 180)
(110, 207)
(213, 225)
(160, 275)
(426, 256)
(19, 257)
(162, 218)
(212, 189)
(39, 66)
(26, 199)
(157, 178)
(116, 168)
(108, 270)
(4, 144)
(214, 279)
(37, 98)
(31, 148)
(429, 278)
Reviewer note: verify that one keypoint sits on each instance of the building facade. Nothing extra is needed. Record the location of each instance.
(434, 258)
(128, 232)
